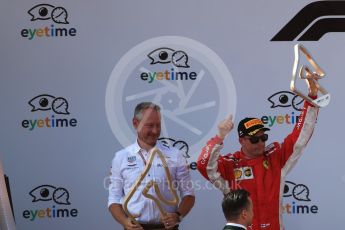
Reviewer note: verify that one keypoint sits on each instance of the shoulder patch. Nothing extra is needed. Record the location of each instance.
(230, 157)
(271, 148)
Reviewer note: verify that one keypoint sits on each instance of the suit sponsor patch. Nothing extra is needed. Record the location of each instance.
(243, 173)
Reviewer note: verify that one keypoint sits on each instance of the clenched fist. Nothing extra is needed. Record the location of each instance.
(225, 126)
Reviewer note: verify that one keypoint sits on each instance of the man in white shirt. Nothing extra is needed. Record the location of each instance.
(238, 210)
(127, 166)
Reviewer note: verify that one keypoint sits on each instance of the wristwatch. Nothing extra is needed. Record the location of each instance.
(180, 217)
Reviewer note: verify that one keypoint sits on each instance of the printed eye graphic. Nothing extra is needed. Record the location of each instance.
(47, 102)
(297, 103)
(166, 55)
(301, 192)
(180, 145)
(166, 141)
(43, 193)
(288, 188)
(161, 55)
(60, 105)
(59, 15)
(183, 147)
(286, 99)
(41, 102)
(61, 196)
(180, 59)
(41, 12)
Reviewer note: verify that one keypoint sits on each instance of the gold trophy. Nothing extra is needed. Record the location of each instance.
(311, 78)
(160, 198)
(6, 217)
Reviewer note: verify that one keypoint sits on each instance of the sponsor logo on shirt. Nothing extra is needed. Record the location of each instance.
(131, 159)
(243, 173)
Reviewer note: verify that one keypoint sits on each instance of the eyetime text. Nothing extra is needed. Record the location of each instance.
(167, 75)
(47, 32)
(49, 122)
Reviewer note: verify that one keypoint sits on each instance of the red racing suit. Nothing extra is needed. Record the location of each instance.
(263, 177)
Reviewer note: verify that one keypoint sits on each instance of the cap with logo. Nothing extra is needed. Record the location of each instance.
(249, 126)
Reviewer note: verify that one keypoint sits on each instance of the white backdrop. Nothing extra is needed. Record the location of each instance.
(72, 72)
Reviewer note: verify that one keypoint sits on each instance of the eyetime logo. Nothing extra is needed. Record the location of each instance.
(298, 199)
(54, 15)
(46, 102)
(188, 80)
(283, 99)
(164, 55)
(55, 195)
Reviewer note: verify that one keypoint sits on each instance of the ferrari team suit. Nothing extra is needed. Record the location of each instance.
(263, 177)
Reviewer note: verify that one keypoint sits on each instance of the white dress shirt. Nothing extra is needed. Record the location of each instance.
(127, 166)
(237, 225)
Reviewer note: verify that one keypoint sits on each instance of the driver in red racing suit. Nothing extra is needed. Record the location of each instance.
(259, 169)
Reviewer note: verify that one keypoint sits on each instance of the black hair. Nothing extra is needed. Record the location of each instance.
(234, 203)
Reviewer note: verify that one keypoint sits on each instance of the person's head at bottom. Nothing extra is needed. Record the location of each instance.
(238, 207)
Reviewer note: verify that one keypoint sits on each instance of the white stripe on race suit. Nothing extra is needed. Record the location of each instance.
(302, 140)
(212, 170)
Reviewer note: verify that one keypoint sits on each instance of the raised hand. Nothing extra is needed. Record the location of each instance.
(225, 126)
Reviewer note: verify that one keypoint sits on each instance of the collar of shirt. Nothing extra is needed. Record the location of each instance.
(142, 152)
(136, 147)
(237, 225)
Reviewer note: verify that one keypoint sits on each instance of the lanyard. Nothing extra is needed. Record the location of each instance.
(142, 157)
